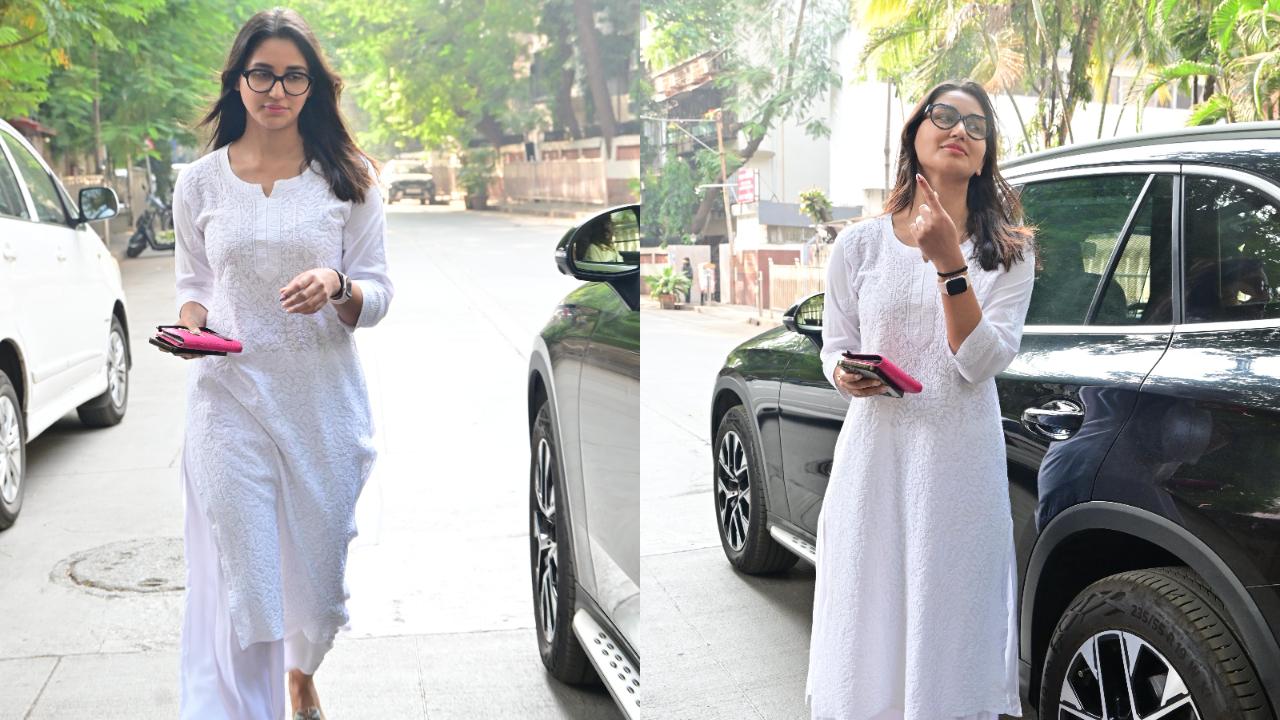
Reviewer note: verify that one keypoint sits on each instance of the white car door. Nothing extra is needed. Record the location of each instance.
(45, 278)
(14, 216)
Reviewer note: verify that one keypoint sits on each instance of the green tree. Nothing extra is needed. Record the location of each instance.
(1016, 46)
(36, 37)
(150, 84)
(1231, 64)
(776, 62)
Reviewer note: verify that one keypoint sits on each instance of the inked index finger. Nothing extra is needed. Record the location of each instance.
(929, 188)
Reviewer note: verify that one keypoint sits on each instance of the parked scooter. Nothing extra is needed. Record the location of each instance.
(154, 228)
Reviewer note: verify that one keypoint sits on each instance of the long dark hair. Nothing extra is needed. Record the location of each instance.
(995, 213)
(325, 138)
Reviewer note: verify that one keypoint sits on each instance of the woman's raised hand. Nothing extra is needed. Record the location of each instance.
(932, 228)
(309, 291)
(856, 385)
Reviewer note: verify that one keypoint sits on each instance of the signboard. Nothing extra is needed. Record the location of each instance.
(746, 184)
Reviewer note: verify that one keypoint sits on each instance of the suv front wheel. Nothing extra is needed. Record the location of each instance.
(1145, 644)
(739, 493)
(551, 559)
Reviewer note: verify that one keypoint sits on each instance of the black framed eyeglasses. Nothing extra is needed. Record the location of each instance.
(945, 117)
(294, 82)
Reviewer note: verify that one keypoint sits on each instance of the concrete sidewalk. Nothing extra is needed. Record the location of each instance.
(737, 313)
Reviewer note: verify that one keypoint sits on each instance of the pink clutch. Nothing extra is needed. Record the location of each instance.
(177, 339)
(875, 366)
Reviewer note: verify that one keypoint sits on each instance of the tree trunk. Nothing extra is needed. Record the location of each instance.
(566, 119)
(590, 47)
(492, 131)
(1106, 96)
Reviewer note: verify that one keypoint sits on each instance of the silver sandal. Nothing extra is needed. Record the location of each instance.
(311, 713)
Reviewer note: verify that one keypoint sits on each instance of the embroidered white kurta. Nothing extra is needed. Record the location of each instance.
(914, 611)
(287, 420)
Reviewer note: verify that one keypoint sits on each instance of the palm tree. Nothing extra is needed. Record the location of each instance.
(1007, 46)
(1237, 58)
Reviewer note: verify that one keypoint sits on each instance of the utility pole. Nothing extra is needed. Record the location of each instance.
(724, 196)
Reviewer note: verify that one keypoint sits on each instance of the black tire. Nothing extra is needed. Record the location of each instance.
(108, 409)
(12, 458)
(136, 245)
(736, 459)
(1175, 625)
(558, 646)
(422, 200)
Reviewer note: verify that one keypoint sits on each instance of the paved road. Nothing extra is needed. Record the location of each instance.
(441, 609)
(717, 644)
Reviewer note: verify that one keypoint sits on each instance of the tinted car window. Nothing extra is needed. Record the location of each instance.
(11, 202)
(43, 192)
(1232, 252)
(1140, 291)
(1078, 222)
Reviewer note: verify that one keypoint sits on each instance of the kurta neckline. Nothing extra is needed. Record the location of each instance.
(224, 160)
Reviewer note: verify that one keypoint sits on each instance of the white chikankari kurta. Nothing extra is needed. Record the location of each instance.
(914, 611)
(288, 420)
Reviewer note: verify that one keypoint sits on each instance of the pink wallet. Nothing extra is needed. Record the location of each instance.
(177, 339)
(875, 366)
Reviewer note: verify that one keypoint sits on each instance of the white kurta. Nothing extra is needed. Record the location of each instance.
(287, 422)
(914, 611)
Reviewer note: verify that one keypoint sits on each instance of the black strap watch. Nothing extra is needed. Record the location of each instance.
(956, 285)
(343, 293)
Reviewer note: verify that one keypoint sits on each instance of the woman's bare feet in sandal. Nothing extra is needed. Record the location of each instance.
(302, 693)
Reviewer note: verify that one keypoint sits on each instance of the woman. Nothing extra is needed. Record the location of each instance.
(914, 611)
(279, 245)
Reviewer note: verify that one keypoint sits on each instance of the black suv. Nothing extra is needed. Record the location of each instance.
(1142, 428)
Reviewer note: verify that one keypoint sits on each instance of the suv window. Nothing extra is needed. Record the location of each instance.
(1140, 291)
(11, 200)
(1232, 237)
(43, 192)
(1078, 222)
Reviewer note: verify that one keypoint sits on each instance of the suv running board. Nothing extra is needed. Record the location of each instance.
(620, 673)
(795, 544)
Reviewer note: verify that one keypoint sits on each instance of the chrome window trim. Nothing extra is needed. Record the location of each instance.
(1228, 325)
(1098, 329)
(1116, 169)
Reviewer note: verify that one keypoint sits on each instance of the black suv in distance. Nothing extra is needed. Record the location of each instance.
(1141, 418)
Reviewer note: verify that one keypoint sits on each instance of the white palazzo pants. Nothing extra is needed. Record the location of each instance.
(218, 679)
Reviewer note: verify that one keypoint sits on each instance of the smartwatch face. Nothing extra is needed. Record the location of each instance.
(957, 285)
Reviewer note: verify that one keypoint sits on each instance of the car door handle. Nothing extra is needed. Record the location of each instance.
(1055, 420)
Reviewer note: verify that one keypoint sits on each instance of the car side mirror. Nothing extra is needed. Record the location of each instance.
(605, 247)
(98, 203)
(805, 317)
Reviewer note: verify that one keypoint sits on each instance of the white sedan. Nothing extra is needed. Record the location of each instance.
(64, 341)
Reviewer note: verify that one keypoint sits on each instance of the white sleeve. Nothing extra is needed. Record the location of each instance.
(194, 276)
(364, 257)
(840, 329)
(995, 340)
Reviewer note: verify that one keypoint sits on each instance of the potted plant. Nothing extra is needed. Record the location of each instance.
(665, 285)
(815, 204)
(475, 175)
